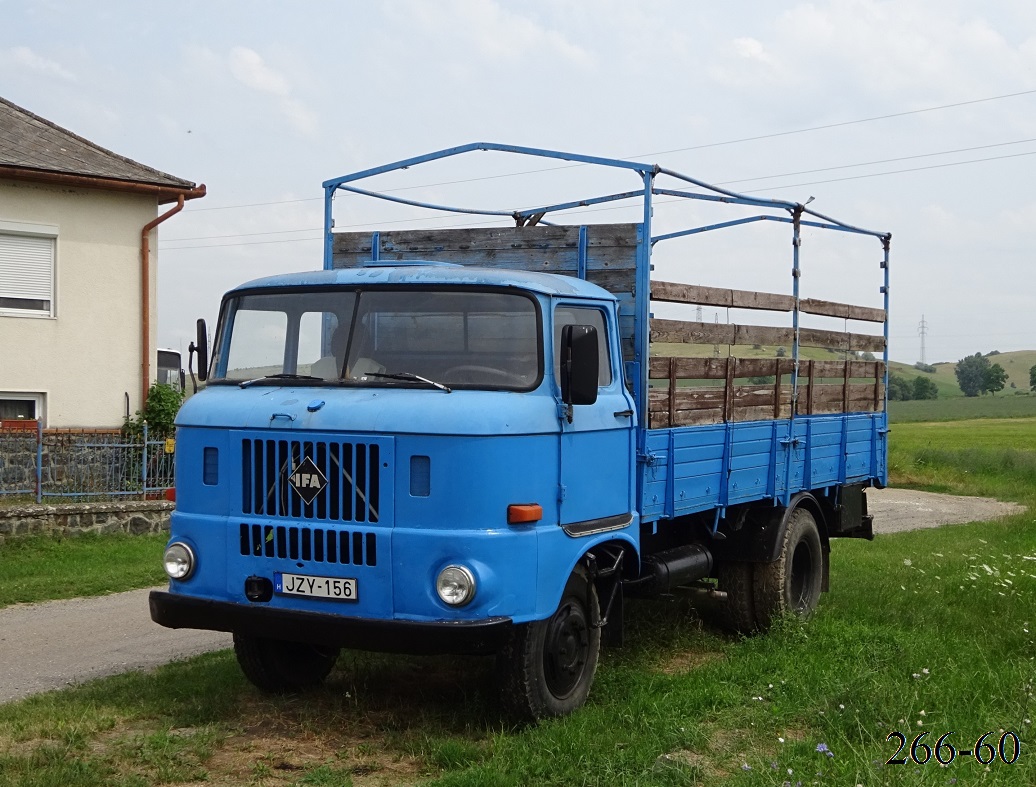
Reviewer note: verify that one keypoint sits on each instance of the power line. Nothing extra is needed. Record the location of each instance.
(844, 123)
(580, 211)
(704, 146)
(879, 161)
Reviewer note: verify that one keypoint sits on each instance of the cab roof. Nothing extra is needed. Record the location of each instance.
(424, 273)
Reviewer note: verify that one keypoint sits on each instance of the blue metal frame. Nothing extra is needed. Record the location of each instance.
(648, 173)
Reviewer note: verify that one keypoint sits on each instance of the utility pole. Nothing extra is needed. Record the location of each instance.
(922, 329)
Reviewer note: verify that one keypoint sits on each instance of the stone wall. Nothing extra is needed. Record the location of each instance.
(135, 517)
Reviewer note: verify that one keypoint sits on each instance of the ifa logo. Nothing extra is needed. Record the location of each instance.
(307, 480)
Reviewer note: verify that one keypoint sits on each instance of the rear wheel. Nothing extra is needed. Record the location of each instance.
(735, 579)
(792, 583)
(548, 666)
(280, 667)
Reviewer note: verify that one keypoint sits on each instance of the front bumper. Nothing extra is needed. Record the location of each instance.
(390, 636)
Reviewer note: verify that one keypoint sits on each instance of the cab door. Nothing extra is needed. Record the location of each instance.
(595, 490)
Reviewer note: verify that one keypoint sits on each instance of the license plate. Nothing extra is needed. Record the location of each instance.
(317, 587)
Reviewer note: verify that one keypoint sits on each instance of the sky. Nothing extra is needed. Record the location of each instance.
(916, 117)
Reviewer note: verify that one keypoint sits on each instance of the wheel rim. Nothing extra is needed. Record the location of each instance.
(802, 569)
(565, 649)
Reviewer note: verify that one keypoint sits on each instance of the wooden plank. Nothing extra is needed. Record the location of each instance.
(674, 292)
(689, 368)
(486, 239)
(867, 369)
(759, 414)
(763, 335)
(691, 332)
(728, 400)
(697, 417)
(845, 342)
(763, 367)
(688, 332)
(843, 310)
(810, 393)
(672, 388)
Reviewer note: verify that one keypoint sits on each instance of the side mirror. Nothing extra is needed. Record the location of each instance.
(579, 364)
(200, 346)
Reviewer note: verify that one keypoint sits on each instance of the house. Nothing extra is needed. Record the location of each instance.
(77, 274)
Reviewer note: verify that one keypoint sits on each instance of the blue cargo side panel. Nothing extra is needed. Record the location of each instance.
(751, 465)
(692, 469)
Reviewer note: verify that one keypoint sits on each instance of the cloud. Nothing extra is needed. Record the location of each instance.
(248, 67)
(495, 32)
(750, 48)
(913, 48)
(22, 56)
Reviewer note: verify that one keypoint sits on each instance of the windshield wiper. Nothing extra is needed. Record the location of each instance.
(411, 378)
(247, 383)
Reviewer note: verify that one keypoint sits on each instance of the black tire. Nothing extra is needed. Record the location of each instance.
(735, 579)
(280, 667)
(548, 666)
(792, 583)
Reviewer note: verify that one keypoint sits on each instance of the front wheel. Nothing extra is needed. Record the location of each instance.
(280, 667)
(547, 667)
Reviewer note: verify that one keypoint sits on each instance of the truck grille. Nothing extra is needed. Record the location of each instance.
(351, 470)
(312, 544)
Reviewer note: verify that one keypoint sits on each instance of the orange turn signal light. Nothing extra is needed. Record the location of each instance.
(519, 513)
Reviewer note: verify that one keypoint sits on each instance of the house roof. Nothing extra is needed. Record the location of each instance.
(33, 148)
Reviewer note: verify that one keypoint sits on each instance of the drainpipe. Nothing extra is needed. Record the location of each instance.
(145, 286)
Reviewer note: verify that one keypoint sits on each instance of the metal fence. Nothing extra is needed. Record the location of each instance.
(68, 465)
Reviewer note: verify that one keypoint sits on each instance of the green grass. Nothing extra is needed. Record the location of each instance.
(1002, 405)
(931, 630)
(41, 568)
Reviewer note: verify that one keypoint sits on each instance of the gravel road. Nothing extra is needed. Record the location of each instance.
(62, 643)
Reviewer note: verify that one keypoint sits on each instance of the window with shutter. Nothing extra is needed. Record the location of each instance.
(26, 275)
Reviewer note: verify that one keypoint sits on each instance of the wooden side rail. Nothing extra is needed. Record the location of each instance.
(756, 389)
(746, 299)
(684, 332)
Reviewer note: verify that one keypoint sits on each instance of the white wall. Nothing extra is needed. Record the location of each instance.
(88, 355)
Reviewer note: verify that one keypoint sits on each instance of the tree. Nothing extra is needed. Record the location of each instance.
(1032, 378)
(971, 374)
(899, 389)
(925, 388)
(995, 379)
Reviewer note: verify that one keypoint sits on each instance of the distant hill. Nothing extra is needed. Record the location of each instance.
(1016, 364)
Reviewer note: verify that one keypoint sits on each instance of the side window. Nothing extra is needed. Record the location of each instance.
(27, 270)
(581, 315)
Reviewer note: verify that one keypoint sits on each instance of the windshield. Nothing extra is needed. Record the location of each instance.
(400, 337)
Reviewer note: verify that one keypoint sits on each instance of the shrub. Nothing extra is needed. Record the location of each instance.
(163, 402)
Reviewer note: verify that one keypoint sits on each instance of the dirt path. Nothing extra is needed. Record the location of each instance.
(895, 510)
(61, 643)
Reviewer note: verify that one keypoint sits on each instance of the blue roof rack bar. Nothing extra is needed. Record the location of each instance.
(417, 204)
(720, 226)
(648, 173)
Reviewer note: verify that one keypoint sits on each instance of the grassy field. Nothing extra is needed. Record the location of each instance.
(928, 631)
(40, 568)
(963, 408)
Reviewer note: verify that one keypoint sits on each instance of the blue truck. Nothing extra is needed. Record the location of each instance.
(481, 440)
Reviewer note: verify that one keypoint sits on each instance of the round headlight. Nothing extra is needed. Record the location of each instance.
(455, 585)
(178, 561)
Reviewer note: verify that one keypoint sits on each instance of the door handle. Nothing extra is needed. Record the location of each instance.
(623, 413)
